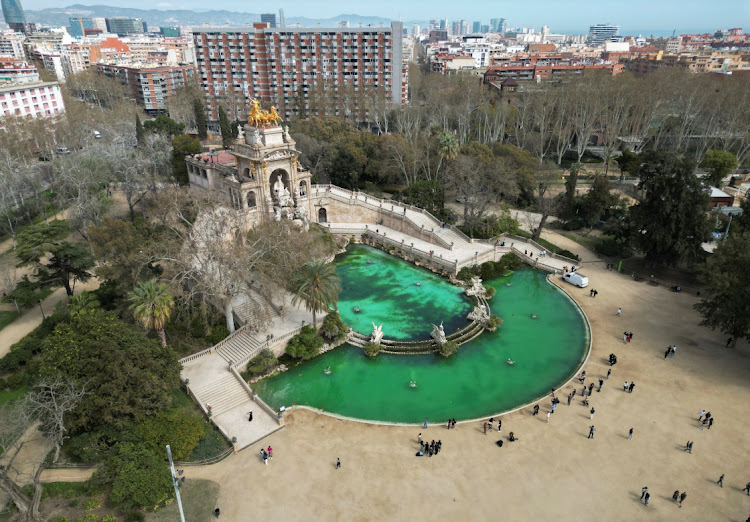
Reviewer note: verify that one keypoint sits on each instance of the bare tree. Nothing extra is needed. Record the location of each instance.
(15, 433)
(49, 402)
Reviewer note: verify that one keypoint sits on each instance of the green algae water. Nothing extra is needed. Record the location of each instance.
(476, 382)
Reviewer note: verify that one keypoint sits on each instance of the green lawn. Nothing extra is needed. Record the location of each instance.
(199, 499)
(7, 317)
(11, 395)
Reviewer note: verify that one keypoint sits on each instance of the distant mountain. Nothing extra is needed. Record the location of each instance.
(57, 16)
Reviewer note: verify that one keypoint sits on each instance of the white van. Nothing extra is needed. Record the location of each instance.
(576, 278)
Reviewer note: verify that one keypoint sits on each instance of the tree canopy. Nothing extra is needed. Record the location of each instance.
(669, 223)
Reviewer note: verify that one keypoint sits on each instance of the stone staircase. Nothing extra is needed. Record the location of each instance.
(240, 347)
(222, 394)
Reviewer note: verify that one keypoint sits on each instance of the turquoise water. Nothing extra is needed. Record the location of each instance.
(473, 383)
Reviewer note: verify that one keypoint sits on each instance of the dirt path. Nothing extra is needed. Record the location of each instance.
(553, 472)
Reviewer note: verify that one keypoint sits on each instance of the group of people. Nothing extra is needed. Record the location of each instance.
(433, 448)
(627, 337)
(266, 454)
(593, 292)
(705, 419)
(450, 424)
(488, 425)
(628, 387)
(670, 351)
(612, 361)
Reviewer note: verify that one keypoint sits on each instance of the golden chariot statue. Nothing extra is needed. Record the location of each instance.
(260, 118)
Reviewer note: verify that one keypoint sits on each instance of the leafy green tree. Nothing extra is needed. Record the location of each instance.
(333, 328)
(317, 285)
(82, 303)
(597, 200)
(183, 145)
(569, 204)
(372, 349)
(152, 306)
(164, 125)
(129, 376)
(137, 477)
(429, 195)
(669, 224)
(225, 127)
(122, 250)
(628, 162)
(447, 146)
(719, 164)
(305, 345)
(728, 278)
(139, 130)
(66, 260)
(182, 431)
(200, 119)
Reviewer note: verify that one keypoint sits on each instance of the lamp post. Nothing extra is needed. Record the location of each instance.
(176, 483)
(42, 309)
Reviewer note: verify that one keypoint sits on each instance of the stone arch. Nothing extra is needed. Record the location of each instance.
(251, 200)
(276, 176)
(322, 215)
(247, 173)
(303, 188)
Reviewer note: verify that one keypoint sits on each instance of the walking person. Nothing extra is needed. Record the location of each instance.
(710, 422)
(601, 383)
(592, 414)
(644, 489)
(675, 495)
(264, 456)
(250, 416)
(701, 414)
(570, 398)
(485, 427)
(690, 447)
(338, 462)
(609, 372)
(720, 482)
(270, 452)
(703, 423)
(549, 413)
(747, 488)
(536, 409)
(630, 388)
(619, 312)
(424, 426)
(419, 438)
(646, 498)
(591, 432)
(630, 434)
(591, 388)
(490, 424)
(499, 424)
(687, 446)
(625, 386)
(672, 351)
(683, 496)
(666, 354)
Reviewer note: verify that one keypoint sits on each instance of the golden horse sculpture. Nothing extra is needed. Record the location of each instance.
(260, 118)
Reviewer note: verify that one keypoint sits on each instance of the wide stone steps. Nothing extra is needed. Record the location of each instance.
(239, 347)
(222, 394)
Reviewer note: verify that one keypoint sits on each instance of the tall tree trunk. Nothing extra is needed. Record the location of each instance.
(162, 337)
(315, 319)
(229, 314)
(16, 494)
(538, 230)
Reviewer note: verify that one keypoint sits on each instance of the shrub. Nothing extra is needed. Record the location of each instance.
(212, 444)
(92, 503)
(181, 430)
(16, 358)
(494, 322)
(511, 261)
(490, 292)
(449, 348)
(59, 518)
(574, 224)
(305, 345)
(261, 363)
(134, 516)
(218, 333)
(467, 272)
(18, 379)
(89, 517)
(372, 349)
(109, 518)
(70, 490)
(333, 328)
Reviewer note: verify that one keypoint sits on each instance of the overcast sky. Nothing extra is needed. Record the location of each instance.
(561, 15)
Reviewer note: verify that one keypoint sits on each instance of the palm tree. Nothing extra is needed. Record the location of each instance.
(82, 303)
(152, 306)
(447, 146)
(318, 286)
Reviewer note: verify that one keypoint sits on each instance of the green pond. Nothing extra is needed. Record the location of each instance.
(475, 382)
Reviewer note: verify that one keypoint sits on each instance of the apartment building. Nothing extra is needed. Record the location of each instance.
(703, 61)
(37, 100)
(13, 70)
(278, 64)
(547, 71)
(11, 44)
(151, 84)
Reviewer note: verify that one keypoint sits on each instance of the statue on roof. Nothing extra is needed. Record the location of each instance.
(260, 118)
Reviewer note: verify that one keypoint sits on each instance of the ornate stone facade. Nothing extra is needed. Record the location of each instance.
(262, 178)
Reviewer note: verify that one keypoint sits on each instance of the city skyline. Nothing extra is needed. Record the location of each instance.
(662, 17)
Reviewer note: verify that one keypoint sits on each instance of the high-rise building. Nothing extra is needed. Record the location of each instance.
(416, 30)
(14, 16)
(122, 25)
(78, 26)
(443, 23)
(502, 27)
(170, 32)
(282, 19)
(494, 24)
(269, 18)
(11, 44)
(476, 27)
(599, 33)
(464, 28)
(456, 28)
(283, 66)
